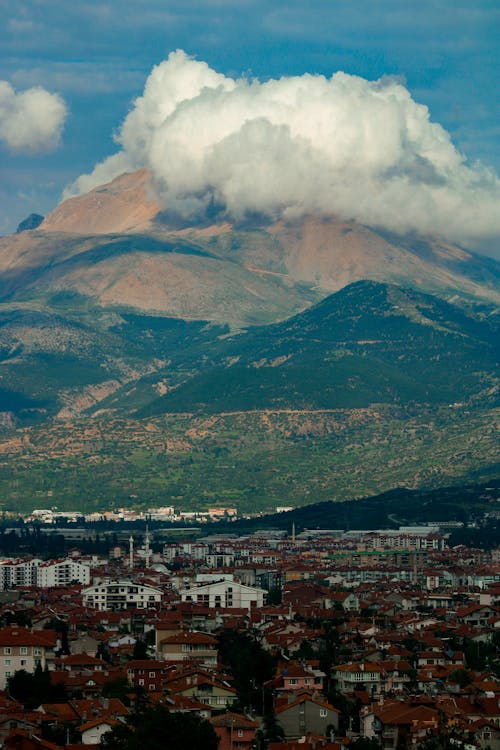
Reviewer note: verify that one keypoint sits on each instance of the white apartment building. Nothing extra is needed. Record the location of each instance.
(20, 572)
(62, 573)
(117, 594)
(35, 572)
(224, 594)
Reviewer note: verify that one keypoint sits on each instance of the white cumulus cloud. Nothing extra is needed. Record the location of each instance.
(364, 150)
(30, 120)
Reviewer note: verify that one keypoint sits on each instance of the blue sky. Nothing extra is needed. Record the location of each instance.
(97, 56)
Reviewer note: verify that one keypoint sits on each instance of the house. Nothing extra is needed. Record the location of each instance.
(93, 731)
(485, 734)
(292, 677)
(399, 723)
(186, 645)
(306, 713)
(201, 686)
(146, 673)
(357, 676)
(235, 732)
(80, 663)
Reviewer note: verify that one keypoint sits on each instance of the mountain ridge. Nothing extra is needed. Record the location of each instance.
(223, 363)
(367, 343)
(115, 246)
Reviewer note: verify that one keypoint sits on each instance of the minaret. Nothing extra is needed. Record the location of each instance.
(147, 549)
(131, 552)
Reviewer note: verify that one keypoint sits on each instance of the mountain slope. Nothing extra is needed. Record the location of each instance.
(117, 248)
(369, 343)
(93, 304)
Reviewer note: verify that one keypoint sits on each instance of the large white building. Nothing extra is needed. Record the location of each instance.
(62, 573)
(35, 572)
(224, 593)
(20, 572)
(118, 594)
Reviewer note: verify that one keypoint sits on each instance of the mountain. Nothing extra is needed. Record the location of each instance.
(369, 343)
(118, 249)
(87, 298)
(146, 361)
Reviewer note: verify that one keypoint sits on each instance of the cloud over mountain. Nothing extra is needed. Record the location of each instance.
(30, 120)
(285, 148)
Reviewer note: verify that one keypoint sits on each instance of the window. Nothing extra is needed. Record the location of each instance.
(323, 712)
(141, 683)
(7, 662)
(24, 662)
(152, 674)
(23, 650)
(7, 650)
(240, 732)
(37, 651)
(8, 674)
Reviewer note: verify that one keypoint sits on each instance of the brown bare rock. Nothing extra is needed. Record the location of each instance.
(126, 204)
(113, 247)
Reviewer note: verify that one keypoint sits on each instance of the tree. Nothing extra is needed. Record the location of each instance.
(274, 595)
(140, 650)
(156, 728)
(33, 689)
(249, 663)
(461, 676)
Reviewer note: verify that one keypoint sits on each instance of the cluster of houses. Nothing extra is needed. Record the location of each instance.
(386, 636)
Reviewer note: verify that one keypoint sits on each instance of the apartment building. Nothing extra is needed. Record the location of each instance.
(35, 572)
(62, 573)
(118, 594)
(18, 572)
(21, 648)
(224, 594)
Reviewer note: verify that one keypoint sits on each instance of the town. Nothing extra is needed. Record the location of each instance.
(320, 639)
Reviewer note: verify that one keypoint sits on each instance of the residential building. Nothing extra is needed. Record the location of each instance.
(224, 594)
(21, 648)
(235, 732)
(19, 572)
(304, 713)
(189, 645)
(62, 573)
(146, 673)
(120, 594)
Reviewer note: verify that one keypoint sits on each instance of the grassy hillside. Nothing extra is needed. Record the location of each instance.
(252, 460)
(369, 343)
(375, 387)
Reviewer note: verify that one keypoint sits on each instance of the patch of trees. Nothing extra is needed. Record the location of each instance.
(155, 728)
